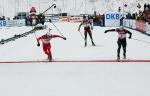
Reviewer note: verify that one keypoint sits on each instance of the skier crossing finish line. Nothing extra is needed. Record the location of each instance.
(121, 40)
(45, 39)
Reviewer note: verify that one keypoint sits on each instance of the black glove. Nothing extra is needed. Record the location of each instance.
(129, 37)
(105, 32)
(38, 44)
(64, 38)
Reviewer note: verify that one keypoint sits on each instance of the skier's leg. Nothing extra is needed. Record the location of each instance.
(45, 49)
(124, 45)
(118, 50)
(90, 34)
(85, 34)
(50, 56)
(49, 52)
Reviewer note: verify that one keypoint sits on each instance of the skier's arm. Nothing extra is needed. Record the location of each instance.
(91, 25)
(109, 30)
(130, 34)
(79, 26)
(55, 36)
(38, 39)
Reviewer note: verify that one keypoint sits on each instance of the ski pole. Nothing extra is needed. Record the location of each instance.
(140, 40)
(49, 8)
(82, 36)
(34, 33)
(57, 28)
(35, 36)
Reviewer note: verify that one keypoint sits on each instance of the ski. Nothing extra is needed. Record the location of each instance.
(3, 41)
(46, 61)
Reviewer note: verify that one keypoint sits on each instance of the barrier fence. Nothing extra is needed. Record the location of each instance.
(139, 25)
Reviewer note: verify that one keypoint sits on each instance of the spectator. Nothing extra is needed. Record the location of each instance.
(3, 17)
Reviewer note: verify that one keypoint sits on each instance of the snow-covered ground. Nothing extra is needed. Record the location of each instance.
(73, 79)
(73, 48)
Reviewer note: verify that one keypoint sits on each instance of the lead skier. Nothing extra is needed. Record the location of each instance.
(121, 40)
(46, 43)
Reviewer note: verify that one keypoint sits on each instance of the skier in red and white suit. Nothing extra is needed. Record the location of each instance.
(46, 43)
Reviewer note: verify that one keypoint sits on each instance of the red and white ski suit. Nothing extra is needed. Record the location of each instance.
(46, 42)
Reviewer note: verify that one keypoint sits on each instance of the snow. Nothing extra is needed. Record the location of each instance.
(73, 79)
(106, 44)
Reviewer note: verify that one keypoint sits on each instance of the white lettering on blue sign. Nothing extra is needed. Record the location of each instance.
(112, 16)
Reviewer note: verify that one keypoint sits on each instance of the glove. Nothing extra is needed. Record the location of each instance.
(105, 32)
(64, 38)
(38, 44)
(129, 37)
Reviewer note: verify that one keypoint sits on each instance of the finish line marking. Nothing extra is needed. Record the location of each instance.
(44, 61)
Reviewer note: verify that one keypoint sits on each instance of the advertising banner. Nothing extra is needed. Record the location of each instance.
(140, 25)
(12, 23)
(112, 19)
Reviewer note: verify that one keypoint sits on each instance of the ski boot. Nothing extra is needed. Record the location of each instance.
(118, 58)
(85, 44)
(93, 44)
(50, 57)
(124, 56)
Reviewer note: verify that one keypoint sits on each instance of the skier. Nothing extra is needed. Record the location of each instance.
(121, 40)
(46, 43)
(87, 29)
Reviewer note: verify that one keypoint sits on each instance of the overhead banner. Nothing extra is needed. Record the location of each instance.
(112, 19)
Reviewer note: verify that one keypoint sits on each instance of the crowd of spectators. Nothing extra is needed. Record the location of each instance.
(141, 15)
(2, 18)
(146, 13)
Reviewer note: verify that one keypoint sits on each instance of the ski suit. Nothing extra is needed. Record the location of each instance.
(121, 40)
(46, 43)
(87, 30)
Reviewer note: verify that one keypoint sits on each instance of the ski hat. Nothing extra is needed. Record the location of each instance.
(120, 29)
(33, 10)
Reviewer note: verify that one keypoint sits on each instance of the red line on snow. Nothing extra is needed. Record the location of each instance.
(1, 62)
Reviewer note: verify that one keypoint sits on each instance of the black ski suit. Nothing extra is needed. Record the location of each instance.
(121, 40)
